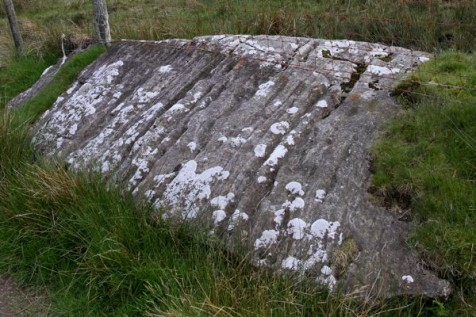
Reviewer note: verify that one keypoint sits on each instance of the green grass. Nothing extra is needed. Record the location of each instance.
(20, 73)
(426, 166)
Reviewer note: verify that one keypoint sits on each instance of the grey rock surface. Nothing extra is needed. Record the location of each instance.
(265, 139)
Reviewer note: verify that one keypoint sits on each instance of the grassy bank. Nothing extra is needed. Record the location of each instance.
(426, 167)
(20, 73)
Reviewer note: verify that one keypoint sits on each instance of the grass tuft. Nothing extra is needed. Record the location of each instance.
(20, 73)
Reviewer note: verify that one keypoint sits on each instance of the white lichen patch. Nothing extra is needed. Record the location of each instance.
(236, 218)
(278, 153)
(262, 262)
(277, 103)
(379, 70)
(154, 134)
(149, 194)
(177, 108)
(267, 239)
(292, 110)
(142, 96)
(321, 104)
(73, 129)
(317, 254)
(341, 238)
(189, 187)
(106, 73)
(297, 203)
(222, 201)
(247, 129)
(72, 88)
(290, 140)
(279, 127)
(81, 104)
(322, 228)
(237, 141)
(374, 52)
(218, 216)
(260, 150)
(326, 270)
(142, 164)
(265, 89)
(297, 228)
(196, 97)
(320, 195)
(407, 279)
(291, 263)
(161, 178)
(192, 146)
(294, 188)
(261, 179)
(329, 281)
(91, 152)
(327, 278)
(165, 69)
(279, 216)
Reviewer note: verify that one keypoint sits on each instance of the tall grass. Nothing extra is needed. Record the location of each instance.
(430, 25)
(20, 73)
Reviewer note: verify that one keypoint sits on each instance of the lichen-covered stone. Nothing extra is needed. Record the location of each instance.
(264, 138)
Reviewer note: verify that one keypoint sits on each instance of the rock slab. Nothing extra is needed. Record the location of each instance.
(264, 139)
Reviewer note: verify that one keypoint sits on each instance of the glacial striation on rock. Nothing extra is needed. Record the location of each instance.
(263, 138)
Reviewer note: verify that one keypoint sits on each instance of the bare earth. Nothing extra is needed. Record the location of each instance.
(17, 301)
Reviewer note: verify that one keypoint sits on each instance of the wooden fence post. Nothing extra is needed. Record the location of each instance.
(101, 22)
(12, 20)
